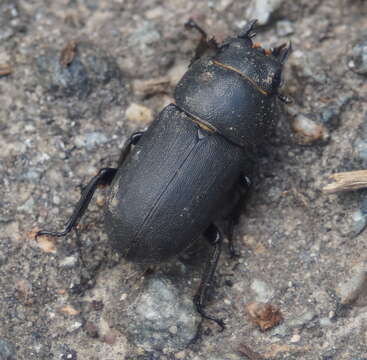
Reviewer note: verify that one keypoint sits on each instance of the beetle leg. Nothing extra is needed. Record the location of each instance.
(247, 30)
(104, 177)
(204, 44)
(232, 221)
(133, 140)
(215, 238)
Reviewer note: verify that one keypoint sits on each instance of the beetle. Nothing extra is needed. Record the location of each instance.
(185, 174)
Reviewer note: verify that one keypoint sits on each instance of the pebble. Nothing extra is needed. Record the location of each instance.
(359, 222)
(307, 130)
(295, 338)
(354, 289)
(7, 350)
(358, 59)
(139, 114)
(90, 140)
(302, 320)
(262, 10)
(69, 261)
(284, 28)
(330, 114)
(263, 291)
(163, 317)
(89, 67)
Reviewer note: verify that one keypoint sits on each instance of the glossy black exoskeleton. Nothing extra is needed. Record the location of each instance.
(182, 176)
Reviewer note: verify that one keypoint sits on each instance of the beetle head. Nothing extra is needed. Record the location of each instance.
(262, 67)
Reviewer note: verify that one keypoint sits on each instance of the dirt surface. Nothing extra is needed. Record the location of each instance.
(77, 77)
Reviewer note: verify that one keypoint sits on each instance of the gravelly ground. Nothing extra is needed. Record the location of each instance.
(71, 298)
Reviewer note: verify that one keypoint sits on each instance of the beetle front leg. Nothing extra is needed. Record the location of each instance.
(104, 177)
(215, 238)
(205, 44)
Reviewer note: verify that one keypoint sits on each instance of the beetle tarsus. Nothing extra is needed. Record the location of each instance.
(200, 310)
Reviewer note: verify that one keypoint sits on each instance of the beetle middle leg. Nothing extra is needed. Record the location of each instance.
(104, 177)
(215, 238)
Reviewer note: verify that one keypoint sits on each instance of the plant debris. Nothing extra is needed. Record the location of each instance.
(346, 181)
(68, 53)
(266, 316)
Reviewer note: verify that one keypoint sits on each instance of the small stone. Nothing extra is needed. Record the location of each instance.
(7, 350)
(90, 140)
(180, 355)
(162, 310)
(74, 326)
(326, 322)
(359, 222)
(330, 114)
(302, 320)
(284, 28)
(139, 114)
(354, 290)
(262, 10)
(177, 71)
(308, 131)
(146, 34)
(69, 261)
(263, 292)
(27, 207)
(358, 62)
(295, 338)
(90, 67)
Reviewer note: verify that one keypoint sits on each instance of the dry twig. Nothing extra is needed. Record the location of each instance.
(346, 181)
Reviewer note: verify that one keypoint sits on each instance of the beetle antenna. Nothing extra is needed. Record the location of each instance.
(247, 30)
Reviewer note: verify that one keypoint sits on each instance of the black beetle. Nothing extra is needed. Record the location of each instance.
(184, 175)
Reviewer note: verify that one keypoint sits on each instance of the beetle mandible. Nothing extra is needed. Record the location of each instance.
(184, 174)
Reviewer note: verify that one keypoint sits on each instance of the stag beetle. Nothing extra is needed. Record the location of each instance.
(183, 176)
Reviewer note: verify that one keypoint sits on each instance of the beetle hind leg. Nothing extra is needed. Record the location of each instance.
(215, 238)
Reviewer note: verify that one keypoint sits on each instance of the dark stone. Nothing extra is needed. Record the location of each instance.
(89, 68)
